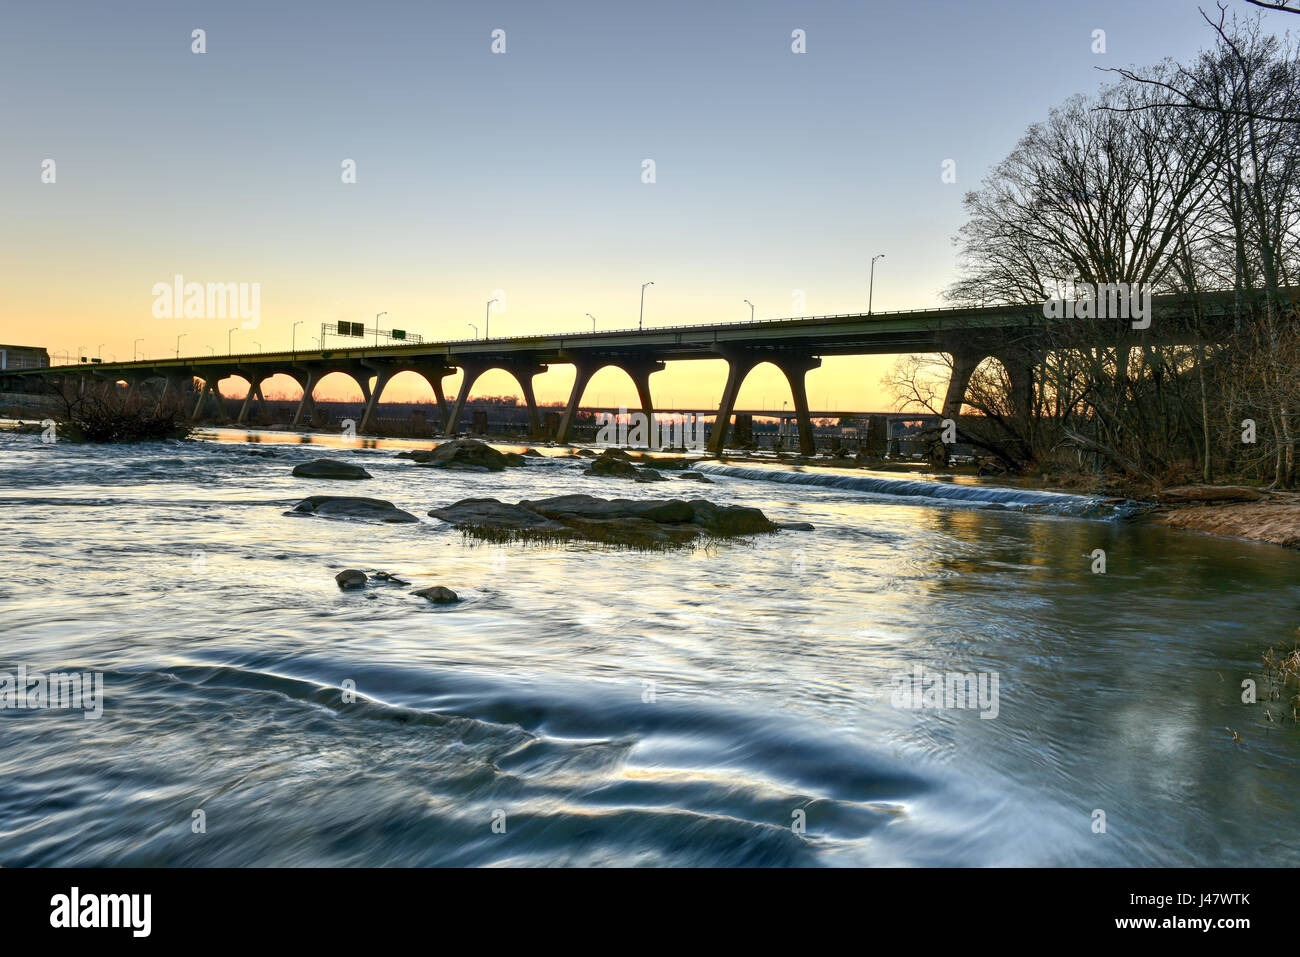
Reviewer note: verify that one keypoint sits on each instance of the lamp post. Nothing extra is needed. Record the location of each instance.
(99, 352)
(871, 288)
(487, 319)
(751, 310)
(593, 321)
(258, 344)
(293, 337)
(178, 344)
(474, 327)
(80, 350)
(230, 342)
(212, 350)
(641, 320)
(377, 315)
(135, 349)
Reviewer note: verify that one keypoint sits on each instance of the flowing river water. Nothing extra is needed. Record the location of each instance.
(734, 705)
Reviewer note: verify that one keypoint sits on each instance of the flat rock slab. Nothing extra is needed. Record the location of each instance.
(330, 469)
(344, 506)
(626, 523)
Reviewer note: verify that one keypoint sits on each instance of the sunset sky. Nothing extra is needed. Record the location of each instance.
(522, 171)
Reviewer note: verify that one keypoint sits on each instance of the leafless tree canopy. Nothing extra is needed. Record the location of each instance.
(1184, 177)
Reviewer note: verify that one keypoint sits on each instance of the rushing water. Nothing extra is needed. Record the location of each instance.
(615, 707)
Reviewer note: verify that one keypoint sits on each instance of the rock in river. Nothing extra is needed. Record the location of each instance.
(343, 506)
(438, 595)
(351, 578)
(652, 524)
(330, 469)
(469, 455)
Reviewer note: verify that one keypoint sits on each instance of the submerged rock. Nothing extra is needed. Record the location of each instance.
(628, 523)
(696, 477)
(351, 578)
(438, 595)
(330, 469)
(343, 506)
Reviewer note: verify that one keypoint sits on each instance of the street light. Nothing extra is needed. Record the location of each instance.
(487, 319)
(474, 327)
(641, 320)
(871, 289)
(80, 350)
(178, 343)
(230, 342)
(751, 310)
(135, 349)
(593, 321)
(212, 350)
(293, 337)
(377, 315)
(99, 353)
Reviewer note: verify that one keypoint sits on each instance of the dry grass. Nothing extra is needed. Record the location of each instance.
(1283, 672)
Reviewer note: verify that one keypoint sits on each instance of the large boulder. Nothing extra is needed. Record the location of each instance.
(438, 594)
(330, 469)
(467, 455)
(344, 506)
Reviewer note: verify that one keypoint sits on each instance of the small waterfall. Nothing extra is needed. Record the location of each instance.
(1012, 498)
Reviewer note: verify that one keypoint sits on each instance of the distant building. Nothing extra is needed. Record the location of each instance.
(13, 358)
(23, 357)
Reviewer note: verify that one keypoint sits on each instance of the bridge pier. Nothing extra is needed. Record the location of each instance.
(964, 364)
(383, 374)
(1020, 374)
(171, 383)
(796, 369)
(254, 380)
(210, 386)
(307, 378)
(434, 374)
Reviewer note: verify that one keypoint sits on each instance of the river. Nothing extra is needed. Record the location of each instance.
(735, 705)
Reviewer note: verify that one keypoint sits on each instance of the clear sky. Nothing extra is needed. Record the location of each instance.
(521, 171)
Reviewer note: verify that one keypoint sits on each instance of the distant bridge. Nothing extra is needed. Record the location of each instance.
(1009, 333)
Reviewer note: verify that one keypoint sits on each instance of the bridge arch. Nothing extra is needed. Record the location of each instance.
(637, 368)
(795, 365)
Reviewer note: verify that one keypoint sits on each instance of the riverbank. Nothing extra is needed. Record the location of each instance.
(1272, 517)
